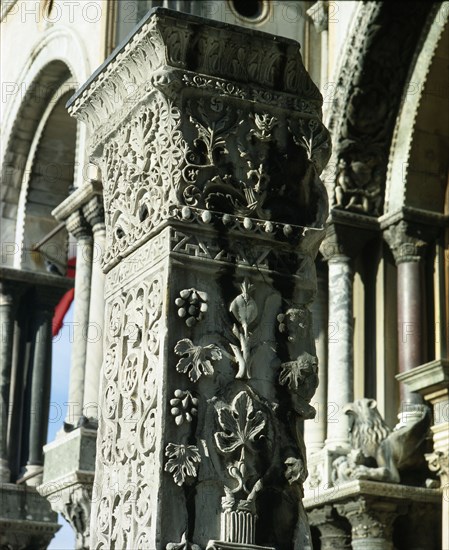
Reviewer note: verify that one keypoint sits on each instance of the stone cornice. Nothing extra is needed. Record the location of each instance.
(376, 489)
(32, 278)
(78, 199)
(412, 216)
(169, 51)
(426, 378)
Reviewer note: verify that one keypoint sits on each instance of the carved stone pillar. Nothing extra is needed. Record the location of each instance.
(408, 248)
(94, 214)
(80, 229)
(6, 343)
(214, 213)
(371, 521)
(334, 533)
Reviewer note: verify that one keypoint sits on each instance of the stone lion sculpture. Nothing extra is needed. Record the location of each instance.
(379, 453)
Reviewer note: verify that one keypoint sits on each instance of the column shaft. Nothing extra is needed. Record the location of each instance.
(340, 350)
(315, 429)
(6, 347)
(80, 328)
(94, 349)
(411, 323)
(40, 387)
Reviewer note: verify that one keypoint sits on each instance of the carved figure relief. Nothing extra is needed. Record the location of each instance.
(244, 309)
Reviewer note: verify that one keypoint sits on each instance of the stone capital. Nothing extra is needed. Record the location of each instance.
(333, 531)
(94, 212)
(407, 241)
(370, 519)
(346, 234)
(439, 462)
(78, 226)
(319, 14)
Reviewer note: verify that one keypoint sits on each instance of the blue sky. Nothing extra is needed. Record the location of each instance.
(64, 538)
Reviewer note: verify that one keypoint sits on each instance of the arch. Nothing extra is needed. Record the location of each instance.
(368, 91)
(421, 136)
(57, 63)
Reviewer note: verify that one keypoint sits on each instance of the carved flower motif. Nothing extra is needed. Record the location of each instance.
(198, 359)
(240, 424)
(294, 373)
(183, 545)
(184, 406)
(183, 461)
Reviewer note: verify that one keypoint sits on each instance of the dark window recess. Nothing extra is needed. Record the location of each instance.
(251, 9)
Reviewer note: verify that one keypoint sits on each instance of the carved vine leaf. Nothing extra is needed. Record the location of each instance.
(198, 359)
(239, 423)
(183, 545)
(183, 461)
(294, 373)
(245, 311)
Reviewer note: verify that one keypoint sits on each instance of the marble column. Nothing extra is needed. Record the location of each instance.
(40, 389)
(81, 230)
(7, 307)
(315, 429)
(408, 250)
(209, 366)
(94, 214)
(340, 371)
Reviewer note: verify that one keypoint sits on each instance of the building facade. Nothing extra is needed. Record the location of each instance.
(377, 447)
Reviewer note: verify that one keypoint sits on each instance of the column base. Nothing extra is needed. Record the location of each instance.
(32, 475)
(26, 519)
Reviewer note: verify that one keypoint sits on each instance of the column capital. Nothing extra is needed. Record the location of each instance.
(370, 518)
(319, 14)
(78, 226)
(94, 212)
(346, 234)
(439, 462)
(407, 241)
